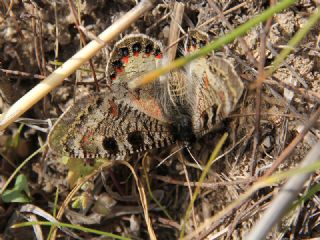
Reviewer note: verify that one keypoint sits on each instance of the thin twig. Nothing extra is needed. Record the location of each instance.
(181, 159)
(261, 77)
(305, 93)
(242, 42)
(290, 148)
(35, 37)
(284, 199)
(204, 184)
(224, 13)
(83, 41)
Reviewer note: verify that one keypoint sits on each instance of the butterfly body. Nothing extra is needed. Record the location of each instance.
(182, 107)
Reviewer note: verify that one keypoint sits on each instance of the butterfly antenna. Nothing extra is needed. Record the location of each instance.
(194, 159)
(165, 159)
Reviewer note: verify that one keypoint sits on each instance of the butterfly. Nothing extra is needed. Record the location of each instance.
(179, 107)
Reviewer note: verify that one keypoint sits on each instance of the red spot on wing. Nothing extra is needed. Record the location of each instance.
(113, 76)
(119, 70)
(159, 56)
(125, 59)
(136, 54)
(86, 138)
(206, 81)
(89, 161)
(114, 108)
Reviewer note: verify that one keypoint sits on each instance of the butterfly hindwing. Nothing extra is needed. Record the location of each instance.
(217, 88)
(133, 55)
(212, 88)
(130, 58)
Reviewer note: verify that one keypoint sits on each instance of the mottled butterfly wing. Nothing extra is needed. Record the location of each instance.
(106, 127)
(124, 122)
(133, 56)
(118, 124)
(196, 40)
(217, 89)
(214, 87)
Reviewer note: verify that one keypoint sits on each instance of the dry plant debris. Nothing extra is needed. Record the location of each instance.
(36, 36)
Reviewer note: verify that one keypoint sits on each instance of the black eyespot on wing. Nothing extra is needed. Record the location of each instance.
(136, 139)
(99, 102)
(157, 52)
(193, 41)
(113, 76)
(202, 43)
(205, 119)
(117, 64)
(214, 113)
(136, 47)
(110, 145)
(149, 48)
(91, 108)
(124, 52)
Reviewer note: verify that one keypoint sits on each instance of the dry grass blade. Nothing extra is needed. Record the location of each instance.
(174, 33)
(143, 199)
(30, 208)
(284, 199)
(206, 227)
(56, 78)
(212, 159)
(147, 182)
(36, 228)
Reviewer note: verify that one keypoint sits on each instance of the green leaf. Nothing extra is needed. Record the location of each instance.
(19, 193)
(14, 141)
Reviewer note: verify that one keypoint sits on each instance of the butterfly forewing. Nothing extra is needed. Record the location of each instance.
(102, 126)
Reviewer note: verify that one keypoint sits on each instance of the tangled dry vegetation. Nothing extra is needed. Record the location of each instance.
(274, 123)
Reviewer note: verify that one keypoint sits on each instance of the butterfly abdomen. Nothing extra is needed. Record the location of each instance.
(182, 129)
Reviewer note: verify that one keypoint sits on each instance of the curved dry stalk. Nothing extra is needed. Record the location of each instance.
(143, 198)
(74, 191)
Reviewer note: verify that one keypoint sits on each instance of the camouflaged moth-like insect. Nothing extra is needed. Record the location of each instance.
(181, 107)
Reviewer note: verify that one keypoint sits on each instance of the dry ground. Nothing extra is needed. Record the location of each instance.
(36, 35)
